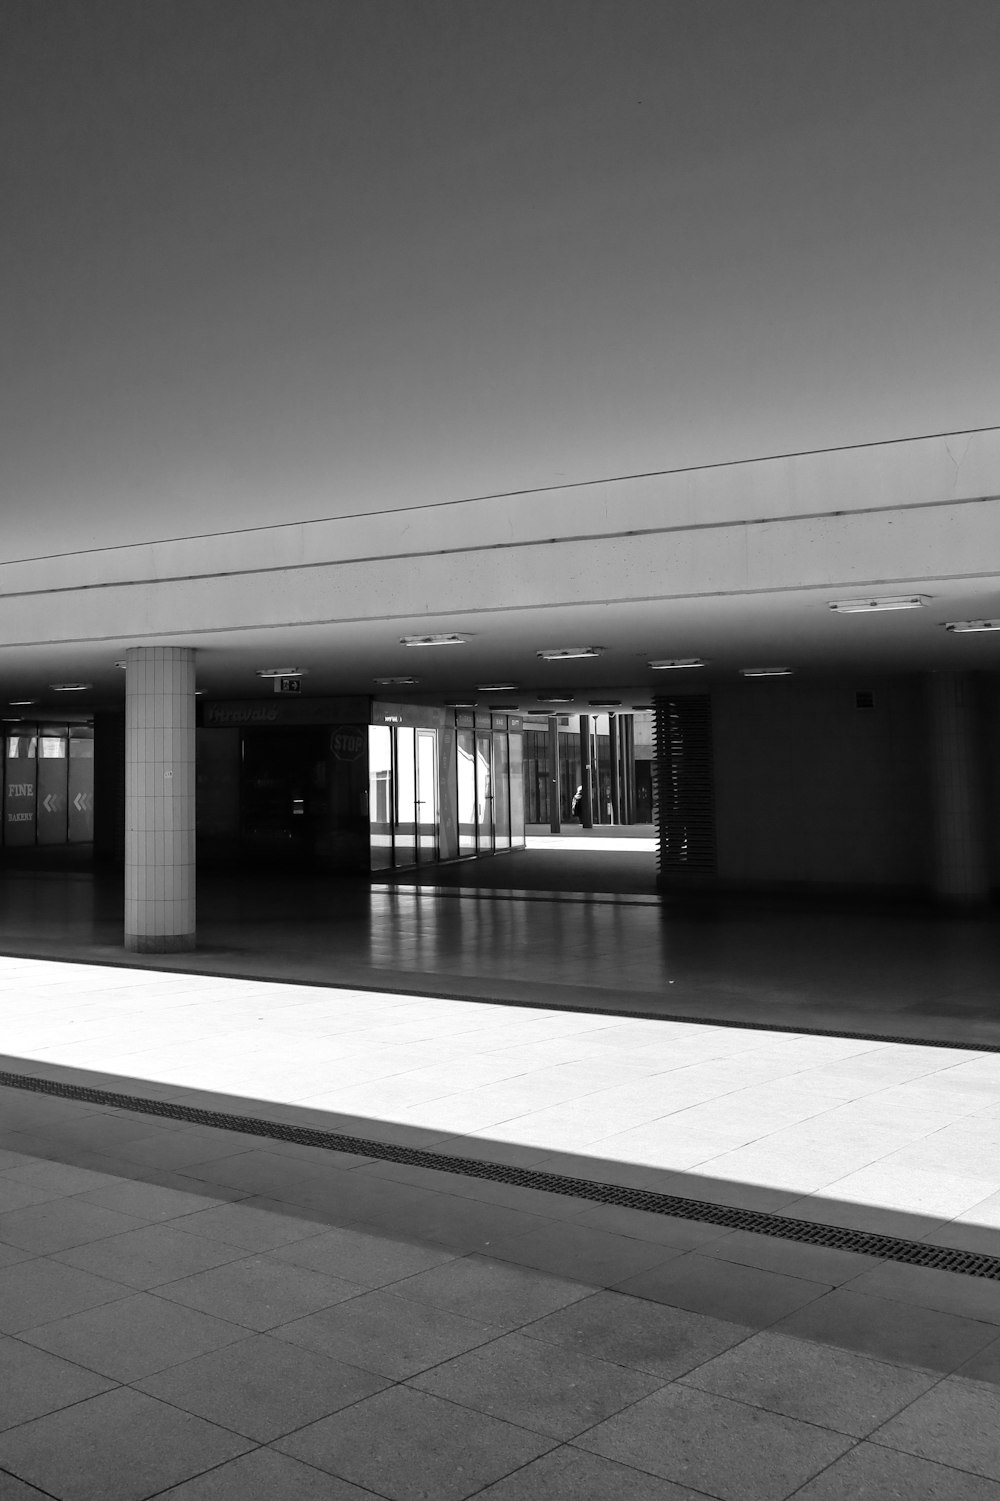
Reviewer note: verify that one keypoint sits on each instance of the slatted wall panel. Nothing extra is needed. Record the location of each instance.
(684, 789)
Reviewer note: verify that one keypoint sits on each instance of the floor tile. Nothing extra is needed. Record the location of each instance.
(392, 1336)
(152, 1201)
(894, 1332)
(984, 1365)
(771, 1253)
(361, 1257)
(120, 1446)
(728, 1450)
(956, 1423)
(150, 1256)
(927, 1287)
(870, 1471)
(33, 1383)
(262, 1387)
(581, 1253)
(60, 1223)
(133, 1337)
(723, 1289)
(37, 1290)
(569, 1474)
(633, 1332)
(545, 1387)
(409, 1446)
(264, 1476)
(259, 1292)
(255, 1224)
(497, 1293)
(14, 1195)
(832, 1388)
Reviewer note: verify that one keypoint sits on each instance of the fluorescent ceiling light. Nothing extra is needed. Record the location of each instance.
(282, 672)
(671, 662)
(70, 687)
(554, 698)
(397, 682)
(22, 703)
(765, 672)
(560, 653)
(496, 687)
(446, 640)
(972, 625)
(454, 703)
(886, 602)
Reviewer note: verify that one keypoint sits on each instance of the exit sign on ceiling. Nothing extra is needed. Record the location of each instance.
(288, 685)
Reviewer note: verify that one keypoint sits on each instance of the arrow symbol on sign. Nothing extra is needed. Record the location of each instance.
(50, 803)
(81, 802)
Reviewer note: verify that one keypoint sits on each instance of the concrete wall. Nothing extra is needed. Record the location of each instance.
(812, 791)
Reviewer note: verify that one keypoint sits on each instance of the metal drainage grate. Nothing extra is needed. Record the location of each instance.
(839, 1237)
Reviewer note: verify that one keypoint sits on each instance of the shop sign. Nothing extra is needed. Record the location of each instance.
(257, 713)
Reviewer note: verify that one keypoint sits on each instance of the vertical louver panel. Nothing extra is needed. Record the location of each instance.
(684, 793)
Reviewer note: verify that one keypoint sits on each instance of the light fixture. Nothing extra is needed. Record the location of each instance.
(765, 672)
(554, 698)
(22, 703)
(455, 703)
(964, 626)
(672, 662)
(496, 687)
(397, 682)
(605, 703)
(560, 653)
(70, 687)
(886, 602)
(282, 672)
(445, 640)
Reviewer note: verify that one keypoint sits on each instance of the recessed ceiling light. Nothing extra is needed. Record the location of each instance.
(497, 687)
(560, 653)
(765, 672)
(886, 602)
(455, 703)
(554, 698)
(121, 665)
(70, 687)
(281, 672)
(671, 662)
(22, 703)
(504, 708)
(397, 682)
(972, 625)
(445, 640)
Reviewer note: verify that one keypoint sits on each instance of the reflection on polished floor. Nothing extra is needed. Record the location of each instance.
(560, 928)
(209, 1314)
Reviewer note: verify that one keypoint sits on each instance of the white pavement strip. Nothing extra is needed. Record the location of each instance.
(571, 844)
(702, 1111)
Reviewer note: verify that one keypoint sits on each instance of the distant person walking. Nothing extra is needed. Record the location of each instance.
(576, 806)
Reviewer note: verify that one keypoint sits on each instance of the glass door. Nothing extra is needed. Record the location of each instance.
(484, 790)
(427, 795)
(466, 792)
(406, 797)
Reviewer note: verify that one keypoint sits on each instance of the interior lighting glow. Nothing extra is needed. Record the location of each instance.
(561, 653)
(554, 698)
(22, 703)
(282, 672)
(70, 687)
(965, 626)
(669, 663)
(765, 672)
(496, 687)
(446, 640)
(455, 703)
(397, 682)
(887, 602)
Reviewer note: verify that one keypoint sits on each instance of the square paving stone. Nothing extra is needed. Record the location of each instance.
(264, 1476)
(723, 1289)
(12, 1489)
(120, 1446)
(154, 1201)
(984, 1366)
(895, 1332)
(832, 1388)
(927, 1287)
(32, 1383)
(262, 1387)
(151, 1255)
(254, 1224)
(409, 1446)
(824, 1264)
(259, 1292)
(545, 1387)
(59, 1223)
(647, 1336)
(392, 1336)
(729, 1450)
(956, 1423)
(133, 1336)
(581, 1253)
(496, 1292)
(369, 1260)
(568, 1474)
(871, 1473)
(39, 1289)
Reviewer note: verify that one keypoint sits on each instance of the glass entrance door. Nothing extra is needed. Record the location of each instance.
(427, 795)
(484, 791)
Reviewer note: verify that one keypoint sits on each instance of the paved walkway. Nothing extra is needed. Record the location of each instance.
(207, 1314)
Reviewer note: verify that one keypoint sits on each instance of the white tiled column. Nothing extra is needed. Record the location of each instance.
(961, 864)
(159, 799)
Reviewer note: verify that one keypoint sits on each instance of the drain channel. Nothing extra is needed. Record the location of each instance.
(838, 1237)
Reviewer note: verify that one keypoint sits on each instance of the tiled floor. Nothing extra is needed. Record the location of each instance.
(204, 1314)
